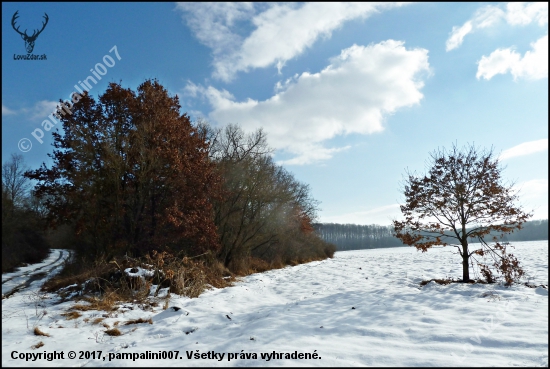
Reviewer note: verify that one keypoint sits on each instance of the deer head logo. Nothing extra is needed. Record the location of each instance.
(29, 40)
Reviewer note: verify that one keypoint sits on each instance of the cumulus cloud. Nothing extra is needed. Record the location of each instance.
(352, 94)
(516, 14)
(279, 32)
(533, 65)
(525, 148)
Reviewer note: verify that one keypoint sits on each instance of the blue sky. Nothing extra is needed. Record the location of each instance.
(350, 95)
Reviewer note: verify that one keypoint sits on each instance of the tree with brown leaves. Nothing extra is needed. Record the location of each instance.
(131, 174)
(462, 198)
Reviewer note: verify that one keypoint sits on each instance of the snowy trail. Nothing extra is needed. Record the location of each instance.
(360, 308)
(23, 277)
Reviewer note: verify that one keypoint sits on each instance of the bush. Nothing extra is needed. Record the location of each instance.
(130, 279)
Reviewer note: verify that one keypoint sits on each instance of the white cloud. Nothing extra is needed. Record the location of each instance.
(516, 14)
(533, 195)
(533, 65)
(353, 94)
(42, 109)
(280, 31)
(525, 148)
(7, 111)
(212, 23)
(382, 216)
(457, 35)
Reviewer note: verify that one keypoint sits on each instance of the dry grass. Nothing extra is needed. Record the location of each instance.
(97, 320)
(105, 302)
(256, 265)
(138, 321)
(81, 307)
(72, 315)
(38, 332)
(187, 276)
(107, 283)
(113, 332)
(38, 345)
(106, 325)
(166, 303)
(75, 273)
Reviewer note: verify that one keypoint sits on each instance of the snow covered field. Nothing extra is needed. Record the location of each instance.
(360, 308)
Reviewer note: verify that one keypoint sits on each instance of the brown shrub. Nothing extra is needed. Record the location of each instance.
(257, 265)
(138, 321)
(113, 332)
(77, 271)
(38, 345)
(38, 332)
(97, 320)
(72, 315)
(105, 302)
(81, 307)
(187, 276)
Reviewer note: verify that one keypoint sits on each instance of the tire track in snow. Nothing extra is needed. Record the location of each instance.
(34, 274)
(34, 270)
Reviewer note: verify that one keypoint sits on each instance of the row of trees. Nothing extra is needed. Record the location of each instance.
(263, 212)
(357, 237)
(131, 174)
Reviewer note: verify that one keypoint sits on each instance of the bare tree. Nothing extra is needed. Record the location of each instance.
(14, 182)
(262, 203)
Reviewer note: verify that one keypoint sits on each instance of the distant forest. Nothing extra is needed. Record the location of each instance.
(531, 231)
(358, 237)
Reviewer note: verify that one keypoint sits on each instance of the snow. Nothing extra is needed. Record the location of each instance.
(139, 272)
(359, 308)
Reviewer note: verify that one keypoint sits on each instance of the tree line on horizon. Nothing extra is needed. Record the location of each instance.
(359, 237)
(356, 236)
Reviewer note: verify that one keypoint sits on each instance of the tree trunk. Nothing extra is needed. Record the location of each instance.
(465, 264)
